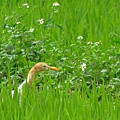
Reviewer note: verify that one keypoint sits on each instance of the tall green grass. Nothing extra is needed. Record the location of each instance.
(70, 94)
(59, 104)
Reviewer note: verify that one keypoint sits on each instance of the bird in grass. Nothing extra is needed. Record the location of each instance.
(41, 66)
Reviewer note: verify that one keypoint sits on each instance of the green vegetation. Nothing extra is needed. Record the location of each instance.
(81, 38)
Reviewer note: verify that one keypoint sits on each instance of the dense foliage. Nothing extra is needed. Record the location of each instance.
(81, 38)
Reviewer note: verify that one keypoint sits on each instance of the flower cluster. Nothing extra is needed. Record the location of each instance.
(96, 43)
(56, 4)
(26, 5)
(17, 23)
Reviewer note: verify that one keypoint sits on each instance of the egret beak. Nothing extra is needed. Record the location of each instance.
(53, 68)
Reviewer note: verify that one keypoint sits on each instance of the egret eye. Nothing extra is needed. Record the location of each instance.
(45, 67)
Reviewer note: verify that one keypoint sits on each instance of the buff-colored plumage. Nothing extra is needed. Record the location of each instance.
(41, 66)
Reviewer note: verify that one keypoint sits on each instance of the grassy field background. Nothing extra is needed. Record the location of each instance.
(81, 38)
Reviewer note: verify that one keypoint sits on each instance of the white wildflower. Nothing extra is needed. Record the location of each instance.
(83, 66)
(56, 4)
(26, 4)
(17, 23)
(96, 43)
(31, 29)
(80, 37)
(90, 43)
(41, 21)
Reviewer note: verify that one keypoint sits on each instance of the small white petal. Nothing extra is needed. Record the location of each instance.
(90, 43)
(31, 29)
(41, 21)
(83, 66)
(80, 37)
(27, 6)
(17, 23)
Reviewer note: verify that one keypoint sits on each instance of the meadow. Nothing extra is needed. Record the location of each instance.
(81, 38)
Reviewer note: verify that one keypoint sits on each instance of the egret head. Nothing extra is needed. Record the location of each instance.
(41, 66)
